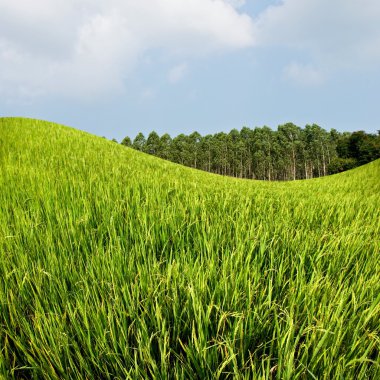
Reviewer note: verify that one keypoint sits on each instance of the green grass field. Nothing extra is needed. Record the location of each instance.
(118, 265)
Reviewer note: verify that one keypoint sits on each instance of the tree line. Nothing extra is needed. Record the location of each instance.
(288, 153)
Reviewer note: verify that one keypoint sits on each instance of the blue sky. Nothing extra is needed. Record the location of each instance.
(117, 67)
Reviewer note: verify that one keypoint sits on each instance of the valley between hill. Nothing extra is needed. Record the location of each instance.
(117, 264)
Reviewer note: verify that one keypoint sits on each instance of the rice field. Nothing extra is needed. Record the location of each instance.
(118, 265)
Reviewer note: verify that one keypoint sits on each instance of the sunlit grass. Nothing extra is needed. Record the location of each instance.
(115, 264)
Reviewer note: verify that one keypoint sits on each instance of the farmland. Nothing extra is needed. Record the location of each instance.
(119, 265)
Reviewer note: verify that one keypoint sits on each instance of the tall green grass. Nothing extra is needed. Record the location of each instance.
(118, 265)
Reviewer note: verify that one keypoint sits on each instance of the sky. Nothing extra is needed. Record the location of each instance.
(118, 67)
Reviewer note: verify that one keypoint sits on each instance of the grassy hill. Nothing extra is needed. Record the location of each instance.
(118, 265)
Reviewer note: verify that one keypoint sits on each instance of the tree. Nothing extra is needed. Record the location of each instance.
(165, 146)
(290, 140)
(194, 142)
(360, 146)
(236, 151)
(153, 144)
(342, 147)
(126, 142)
(181, 150)
(338, 165)
(220, 153)
(205, 153)
(246, 139)
(288, 153)
(139, 142)
(319, 150)
(363, 147)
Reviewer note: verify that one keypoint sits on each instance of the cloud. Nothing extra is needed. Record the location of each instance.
(87, 48)
(147, 94)
(235, 3)
(302, 74)
(177, 73)
(335, 34)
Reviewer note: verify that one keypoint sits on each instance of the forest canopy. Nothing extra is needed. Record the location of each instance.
(288, 153)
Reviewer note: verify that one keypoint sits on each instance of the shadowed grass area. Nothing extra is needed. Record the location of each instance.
(118, 265)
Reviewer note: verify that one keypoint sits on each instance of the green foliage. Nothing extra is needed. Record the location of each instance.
(165, 145)
(153, 144)
(288, 153)
(117, 265)
(126, 142)
(139, 143)
(338, 165)
(364, 147)
(359, 146)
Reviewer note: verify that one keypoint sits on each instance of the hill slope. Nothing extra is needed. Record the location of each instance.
(115, 264)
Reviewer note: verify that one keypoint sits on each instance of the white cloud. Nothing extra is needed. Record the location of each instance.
(177, 73)
(147, 94)
(83, 48)
(235, 3)
(335, 34)
(87, 48)
(301, 74)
